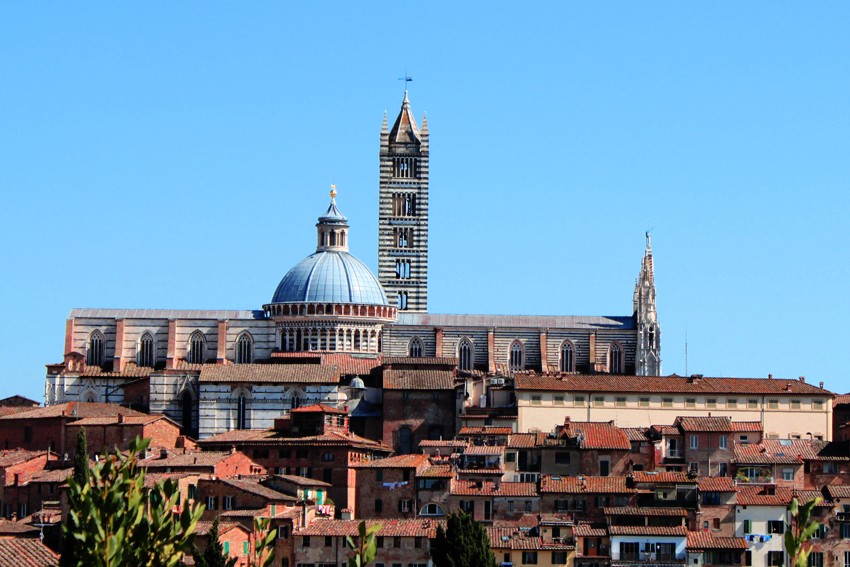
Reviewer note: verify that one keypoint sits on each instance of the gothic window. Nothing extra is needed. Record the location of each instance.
(404, 167)
(187, 405)
(295, 401)
(197, 348)
(568, 363)
(516, 356)
(402, 269)
(651, 340)
(415, 348)
(464, 355)
(244, 349)
(147, 351)
(94, 349)
(404, 204)
(615, 359)
(241, 412)
(402, 300)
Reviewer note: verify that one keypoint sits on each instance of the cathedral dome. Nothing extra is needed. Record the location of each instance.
(330, 277)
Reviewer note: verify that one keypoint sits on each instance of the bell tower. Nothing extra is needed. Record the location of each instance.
(648, 356)
(403, 211)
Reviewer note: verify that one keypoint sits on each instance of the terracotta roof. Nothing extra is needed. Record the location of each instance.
(152, 478)
(484, 430)
(19, 401)
(419, 380)
(130, 370)
(586, 530)
(665, 429)
(718, 424)
(113, 420)
(598, 435)
(584, 484)
(526, 440)
(716, 484)
(436, 471)
(11, 410)
(665, 384)
(838, 491)
(237, 435)
(648, 530)
(257, 489)
(270, 373)
(51, 475)
(778, 451)
(645, 511)
(431, 360)
(318, 408)
(302, 480)
(75, 410)
(701, 541)
(842, 399)
(747, 426)
(635, 433)
(389, 528)
(16, 529)
(203, 528)
(396, 462)
(804, 496)
(447, 443)
(348, 364)
(491, 488)
(194, 459)
(269, 437)
(19, 552)
(17, 456)
(484, 450)
(662, 477)
(758, 496)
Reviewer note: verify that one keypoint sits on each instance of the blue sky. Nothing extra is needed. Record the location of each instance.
(176, 155)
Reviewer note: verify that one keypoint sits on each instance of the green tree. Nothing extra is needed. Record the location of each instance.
(365, 548)
(115, 521)
(463, 543)
(801, 530)
(81, 477)
(213, 555)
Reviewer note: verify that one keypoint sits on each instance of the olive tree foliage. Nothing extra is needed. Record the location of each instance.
(262, 552)
(366, 546)
(463, 543)
(115, 521)
(81, 476)
(802, 528)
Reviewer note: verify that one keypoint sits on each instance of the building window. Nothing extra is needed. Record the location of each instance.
(567, 357)
(402, 300)
(529, 558)
(559, 558)
(845, 531)
(795, 404)
(147, 351)
(772, 404)
(788, 474)
(197, 348)
(515, 360)
(431, 510)
(599, 401)
(244, 349)
(732, 403)
(694, 467)
(402, 269)
(816, 559)
(415, 347)
(776, 527)
(667, 402)
(241, 412)
(578, 400)
(847, 558)
(620, 402)
(615, 359)
(379, 506)
(775, 558)
(723, 442)
(694, 441)
(405, 440)
(558, 400)
(562, 458)
(690, 402)
(535, 400)
(752, 404)
(817, 405)
(643, 402)
(464, 354)
(94, 349)
(711, 402)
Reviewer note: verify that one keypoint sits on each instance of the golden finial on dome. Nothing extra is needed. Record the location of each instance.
(333, 191)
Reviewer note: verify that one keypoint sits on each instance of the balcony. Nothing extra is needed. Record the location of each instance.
(648, 557)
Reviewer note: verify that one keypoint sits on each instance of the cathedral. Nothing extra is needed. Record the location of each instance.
(332, 325)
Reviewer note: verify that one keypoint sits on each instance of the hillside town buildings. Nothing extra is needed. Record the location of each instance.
(343, 399)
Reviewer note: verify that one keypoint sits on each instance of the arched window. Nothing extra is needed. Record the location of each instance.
(295, 400)
(244, 349)
(197, 348)
(90, 396)
(465, 360)
(516, 357)
(615, 359)
(94, 349)
(402, 300)
(405, 441)
(568, 361)
(146, 356)
(651, 339)
(242, 412)
(431, 509)
(415, 348)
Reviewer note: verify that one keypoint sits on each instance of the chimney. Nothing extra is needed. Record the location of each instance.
(821, 385)
(120, 418)
(803, 379)
(163, 453)
(770, 376)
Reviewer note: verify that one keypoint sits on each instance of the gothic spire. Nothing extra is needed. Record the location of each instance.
(405, 130)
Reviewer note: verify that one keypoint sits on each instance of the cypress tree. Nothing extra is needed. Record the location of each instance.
(463, 543)
(81, 477)
(213, 555)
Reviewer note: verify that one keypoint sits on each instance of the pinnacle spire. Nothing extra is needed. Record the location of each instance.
(384, 128)
(405, 130)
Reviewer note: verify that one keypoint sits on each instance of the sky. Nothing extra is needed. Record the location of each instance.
(177, 155)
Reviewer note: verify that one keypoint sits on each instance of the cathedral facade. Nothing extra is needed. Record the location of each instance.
(329, 324)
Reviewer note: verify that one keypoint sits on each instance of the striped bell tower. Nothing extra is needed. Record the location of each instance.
(403, 211)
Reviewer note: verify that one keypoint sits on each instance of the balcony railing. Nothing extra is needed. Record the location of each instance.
(648, 557)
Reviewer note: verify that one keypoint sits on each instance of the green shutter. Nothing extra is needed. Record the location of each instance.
(226, 547)
(244, 548)
(274, 508)
(747, 527)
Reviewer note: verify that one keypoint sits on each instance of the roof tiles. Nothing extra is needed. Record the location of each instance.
(270, 373)
(419, 380)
